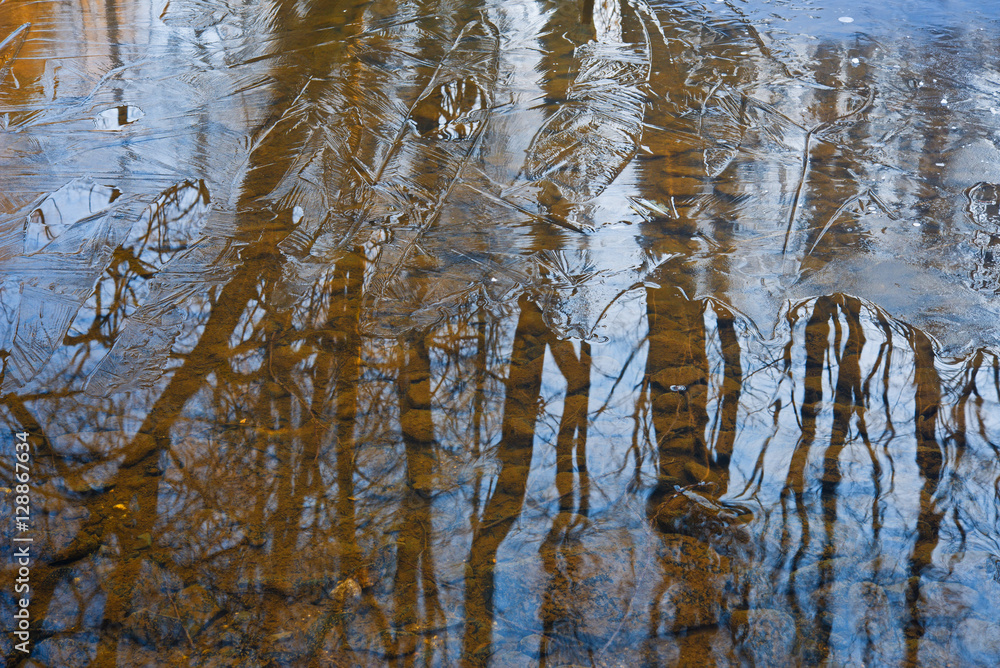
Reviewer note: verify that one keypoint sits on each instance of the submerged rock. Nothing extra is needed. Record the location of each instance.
(869, 631)
(696, 583)
(984, 205)
(689, 512)
(763, 637)
(946, 601)
(197, 608)
(981, 641)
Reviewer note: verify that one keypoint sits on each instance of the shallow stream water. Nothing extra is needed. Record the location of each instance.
(500, 333)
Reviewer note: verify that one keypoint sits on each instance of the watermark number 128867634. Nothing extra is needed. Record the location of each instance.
(22, 540)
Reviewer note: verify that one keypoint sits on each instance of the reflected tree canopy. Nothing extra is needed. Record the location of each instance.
(502, 333)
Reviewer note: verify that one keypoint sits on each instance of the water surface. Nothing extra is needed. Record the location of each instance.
(595, 333)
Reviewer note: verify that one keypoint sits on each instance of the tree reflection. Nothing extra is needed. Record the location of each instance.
(513, 455)
(373, 419)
